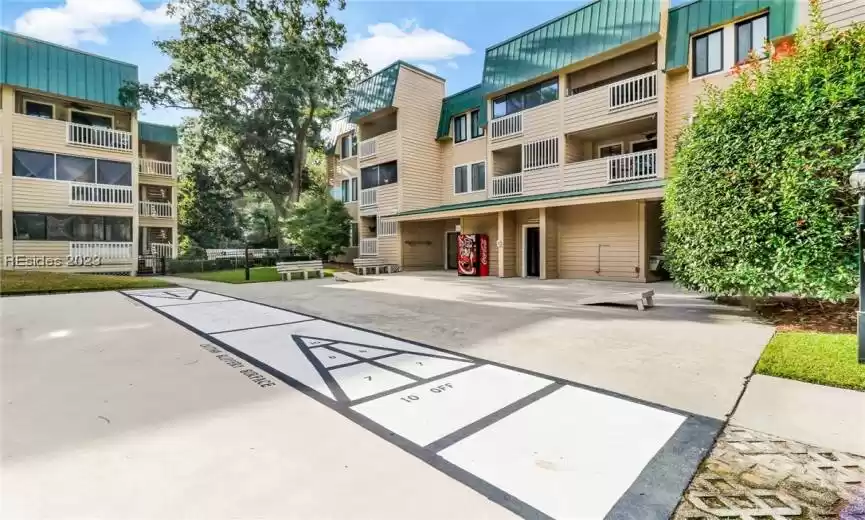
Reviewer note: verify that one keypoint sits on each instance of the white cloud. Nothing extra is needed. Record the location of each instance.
(428, 67)
(388, 42)
(83, 20)
(452, 65)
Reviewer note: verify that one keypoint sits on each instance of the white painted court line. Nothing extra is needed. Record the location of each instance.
(423, 366)
(361, 351)
(177, 296)
(331, 358)
(362, 380)
(571, 454)
(430, 411)
(229, 315)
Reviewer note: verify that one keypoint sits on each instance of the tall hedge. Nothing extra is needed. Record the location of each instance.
(758, 202)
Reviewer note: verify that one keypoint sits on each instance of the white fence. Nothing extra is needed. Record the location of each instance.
(367, 148)
(254, 253)
(632, 167)
(102, 194)
(542, 153)
(385, 227)
(368, 197)
(633, 91)
(161, 250)
(507, 185)
(368, 246)
(103, 250)
(154, 167)
(506, 126)
(155, 209)
(98, 137)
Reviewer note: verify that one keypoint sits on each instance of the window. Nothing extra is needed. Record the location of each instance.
(353, 143)
(385, 228)
(379, 175)
(86, 118)
(529, 97)
(66, 228)
(353, 235)
(76, 169)
(469, 178)
(117, 229)
(37, 109)
(35, 165)
(460, 129)
(28, 226)
(477, 130)
(113, 173)
(345, 193)
(751, 35)
(609, 150)
(642, 146)
(348, 146)
(354, 182)
(708, 53)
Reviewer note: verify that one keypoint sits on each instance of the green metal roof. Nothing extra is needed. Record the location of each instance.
(699, 15)
(573, 36)
(338, 126)
(376, 92)
(33, 64)
(463, 101)
(153, 132)
(615, 188)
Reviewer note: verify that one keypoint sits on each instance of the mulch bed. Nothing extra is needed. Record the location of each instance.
(807, 315)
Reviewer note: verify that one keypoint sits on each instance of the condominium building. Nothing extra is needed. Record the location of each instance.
(560, 153)
(86, 186)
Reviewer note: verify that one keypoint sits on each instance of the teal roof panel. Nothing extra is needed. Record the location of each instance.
(455, 104)
(153, 132)
(33, 64)
(592, 29)
(374, 93)
(700, 15)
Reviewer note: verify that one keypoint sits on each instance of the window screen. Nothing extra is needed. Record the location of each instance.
(751, 36)
(114, 173)
(708, 53)
(478, 176)
(344, 190)
(77, 169)
(460, 128)
(477, 130)
(35, 165)
(461, 179)
(36, 109)
(28, 226)
(354, 189)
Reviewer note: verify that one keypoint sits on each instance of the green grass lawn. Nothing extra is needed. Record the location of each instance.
(256, 274)
(34, 282)
(813, 357)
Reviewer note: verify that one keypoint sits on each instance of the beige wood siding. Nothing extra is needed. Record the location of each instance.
(60, 250)
(592, 108)
(843, 13)
(386, 149)
(509, 244)
(49, 135)
(484, 225)
(682, 96)
(423, 244)
(468, 152)
(388, 199)
(352, 209)
(154, 222)
(158, 180)
(552, 250)
(547, 180)
(47, 196)
(585, 174)
(542, 121)
(617, 66)
(389, 250)
(611, 229)
(418, 98)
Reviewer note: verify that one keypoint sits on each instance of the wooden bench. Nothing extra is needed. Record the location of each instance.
(285, 269)
(362, 265)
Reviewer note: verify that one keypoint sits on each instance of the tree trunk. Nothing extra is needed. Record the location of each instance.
(299, 161)
(281, 212)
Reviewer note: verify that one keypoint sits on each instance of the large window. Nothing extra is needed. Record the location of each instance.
(529, 97)
(90, 119)
(469, 178)
(38, 165)
(460, 133)
(37, 109)
(751, 35)
(708, 53)
(477, 129)
(378, 175)
(71, 228)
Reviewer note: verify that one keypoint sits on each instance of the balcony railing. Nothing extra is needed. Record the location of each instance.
(98, 137)
(367, 148)
(368, 246)
(506, 126)
(507, 185)
(368, 197)
(633, 91)
(161, 250)
(154, 167)
(102, 250)
(100, 194)
(632, 167)
(154, 209)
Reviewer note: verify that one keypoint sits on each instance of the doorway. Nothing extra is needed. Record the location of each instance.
(451, 250)
(531, 251)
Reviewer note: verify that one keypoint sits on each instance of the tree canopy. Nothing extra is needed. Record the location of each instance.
(758, 202)
(319, 225)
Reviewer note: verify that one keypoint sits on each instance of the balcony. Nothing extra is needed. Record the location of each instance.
(368, 247)
(368, 197)
(98, 137)
(154, 167)
(87, 193)
(623, 100)
(367, 148)
(155, 209)
(507, 126)
(377, 149)
(507, 185)
(619, 169)
(107, 252)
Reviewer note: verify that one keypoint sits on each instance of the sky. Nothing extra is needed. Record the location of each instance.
(446, 37)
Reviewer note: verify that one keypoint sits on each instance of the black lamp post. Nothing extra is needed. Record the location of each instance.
(857, 182)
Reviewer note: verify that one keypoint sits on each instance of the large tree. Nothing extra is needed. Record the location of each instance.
(758, 201)
(264, 78)
(319, 225)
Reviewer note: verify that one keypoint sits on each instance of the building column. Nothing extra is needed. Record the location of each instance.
(500, 245)
(7, 102)
(643, 243)
(175, 212)
(135, 187)
(542, 230)
(661, 121)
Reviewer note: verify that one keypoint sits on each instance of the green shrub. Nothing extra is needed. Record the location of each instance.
(758, 202)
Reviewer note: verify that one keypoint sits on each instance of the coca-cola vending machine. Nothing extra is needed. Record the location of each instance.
(473, 255)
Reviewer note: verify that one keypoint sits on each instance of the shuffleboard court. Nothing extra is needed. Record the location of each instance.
(538, 445)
